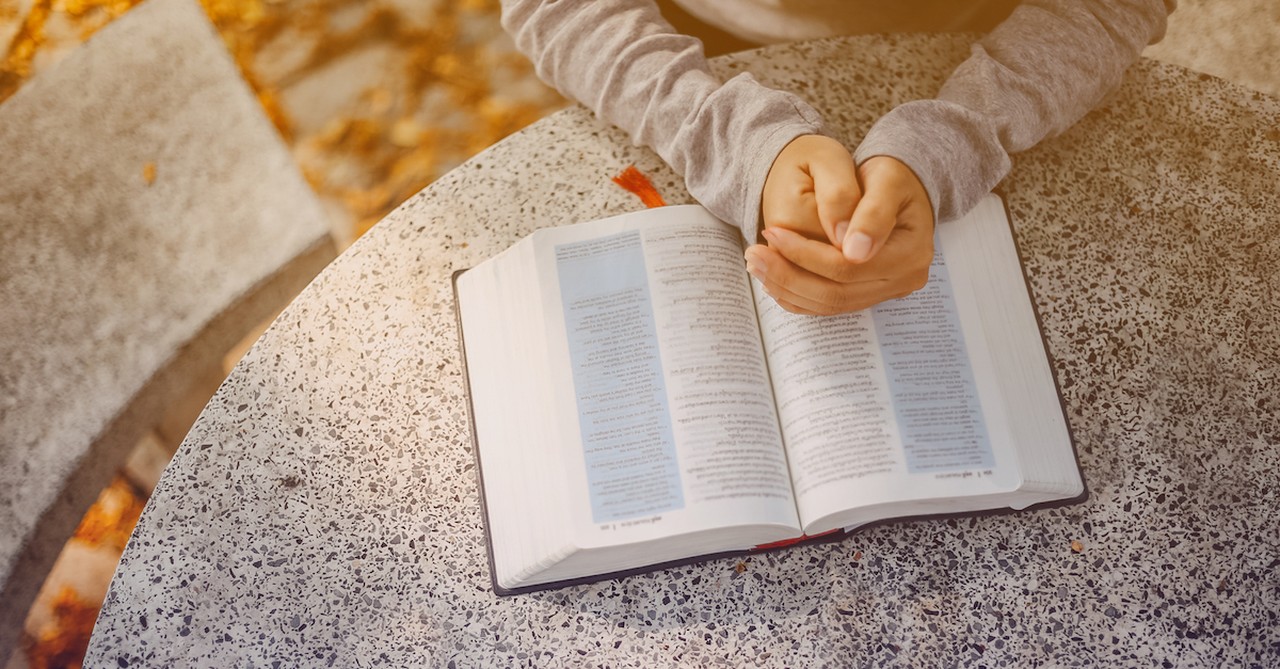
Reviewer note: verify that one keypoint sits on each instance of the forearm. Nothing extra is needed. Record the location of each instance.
(1033, 77)
(624, 62)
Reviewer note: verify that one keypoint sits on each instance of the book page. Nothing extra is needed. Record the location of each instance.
(504, 345)
(890, 404)
(995, 305)
(834, 408)
(664, 379)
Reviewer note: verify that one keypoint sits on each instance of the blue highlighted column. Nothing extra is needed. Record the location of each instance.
(930, 378)
(632, 465)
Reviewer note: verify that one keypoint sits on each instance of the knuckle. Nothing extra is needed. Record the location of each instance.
(844, 272)
(917, 280)
(778, 218)
(853, 303)
(922, 277)
(823, 310)
(838, 193)
(780, 276)
(791, 221)
(918, 269)
(831, 297)
(884, 215)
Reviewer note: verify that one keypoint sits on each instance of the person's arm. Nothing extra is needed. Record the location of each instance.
(620, 59)
(1033, 77)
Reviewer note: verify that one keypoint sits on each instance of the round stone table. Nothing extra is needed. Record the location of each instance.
(323, 511)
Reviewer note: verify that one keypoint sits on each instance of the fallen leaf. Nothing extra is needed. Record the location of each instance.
(1076, 546)
(149, 173)
(405, 133)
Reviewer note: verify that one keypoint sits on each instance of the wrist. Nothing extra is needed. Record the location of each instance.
(956, 157)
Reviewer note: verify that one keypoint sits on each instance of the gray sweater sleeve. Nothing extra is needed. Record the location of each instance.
(1033, 77)
(620, 59)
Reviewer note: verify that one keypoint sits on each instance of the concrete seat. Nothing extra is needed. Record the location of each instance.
(150, 216)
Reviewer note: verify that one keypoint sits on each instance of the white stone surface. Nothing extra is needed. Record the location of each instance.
(324, 510)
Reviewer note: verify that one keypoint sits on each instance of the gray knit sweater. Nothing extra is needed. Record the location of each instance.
(1032, 77)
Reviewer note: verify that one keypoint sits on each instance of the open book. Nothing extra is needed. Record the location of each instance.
(638, 401)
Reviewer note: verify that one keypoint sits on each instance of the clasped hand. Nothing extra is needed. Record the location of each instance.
(841, 237)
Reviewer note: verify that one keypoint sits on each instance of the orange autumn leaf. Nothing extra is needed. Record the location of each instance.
(63, 645)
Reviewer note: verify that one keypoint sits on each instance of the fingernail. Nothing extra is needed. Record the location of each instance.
(841, 228)
(755, 267)
(767, 234)
(858, 246)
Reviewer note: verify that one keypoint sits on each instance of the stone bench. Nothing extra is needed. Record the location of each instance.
(150, 216)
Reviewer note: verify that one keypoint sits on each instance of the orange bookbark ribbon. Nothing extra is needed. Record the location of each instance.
(637, 183)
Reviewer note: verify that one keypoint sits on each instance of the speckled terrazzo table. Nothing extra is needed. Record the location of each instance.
(324, 511)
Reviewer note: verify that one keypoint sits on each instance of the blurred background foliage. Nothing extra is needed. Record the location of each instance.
(376, 98)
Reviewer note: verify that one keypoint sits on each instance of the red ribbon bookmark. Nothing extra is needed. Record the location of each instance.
(789, 542)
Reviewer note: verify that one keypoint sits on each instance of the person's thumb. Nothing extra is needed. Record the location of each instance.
(872, 221)
(836, 192)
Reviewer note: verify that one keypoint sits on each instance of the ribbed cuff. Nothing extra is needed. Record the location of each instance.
(731, 182)
(954, 153)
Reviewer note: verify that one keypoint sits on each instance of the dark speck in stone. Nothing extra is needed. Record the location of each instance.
(290, 482)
